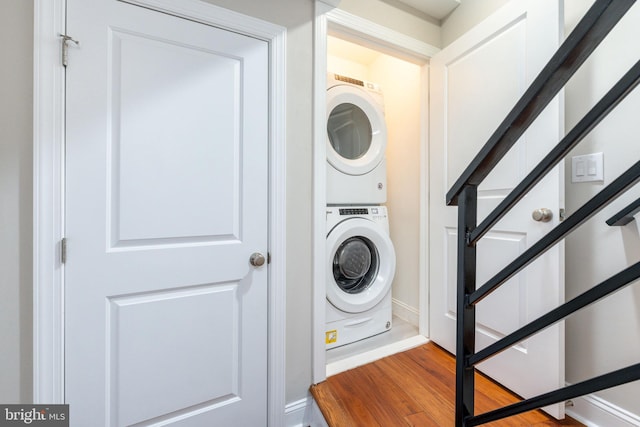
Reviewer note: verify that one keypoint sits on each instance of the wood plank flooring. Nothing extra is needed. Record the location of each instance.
(413, 388)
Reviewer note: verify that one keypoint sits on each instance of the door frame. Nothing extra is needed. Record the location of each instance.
(49, 173)
(328, 18)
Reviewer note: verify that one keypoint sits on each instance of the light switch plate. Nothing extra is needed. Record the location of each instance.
(587, 168)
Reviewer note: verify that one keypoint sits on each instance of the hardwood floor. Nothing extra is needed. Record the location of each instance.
(413, 388)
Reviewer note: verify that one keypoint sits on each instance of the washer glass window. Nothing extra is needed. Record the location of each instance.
(355, 265)
(349, 131)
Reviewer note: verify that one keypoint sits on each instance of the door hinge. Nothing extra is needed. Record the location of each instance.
(65, 48)
(63, 250)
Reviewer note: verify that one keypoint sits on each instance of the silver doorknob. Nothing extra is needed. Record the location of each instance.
(542, 215)
(257, 259)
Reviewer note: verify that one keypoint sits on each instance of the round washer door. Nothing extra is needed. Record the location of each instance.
(356, 130)
(362, 263)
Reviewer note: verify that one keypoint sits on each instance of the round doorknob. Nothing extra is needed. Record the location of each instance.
(542, 215)
(257, 259)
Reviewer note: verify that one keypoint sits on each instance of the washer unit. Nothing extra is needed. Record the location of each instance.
(356, 142)
(361, 266)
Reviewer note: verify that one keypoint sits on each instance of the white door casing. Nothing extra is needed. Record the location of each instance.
(475, 81)
(49, 95)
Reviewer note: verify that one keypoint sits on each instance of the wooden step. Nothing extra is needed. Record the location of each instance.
(412, 388)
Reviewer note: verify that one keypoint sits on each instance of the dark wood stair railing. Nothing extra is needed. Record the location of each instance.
(590, 31)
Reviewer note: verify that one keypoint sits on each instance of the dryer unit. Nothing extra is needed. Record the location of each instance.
(356, 142)
(361, 265)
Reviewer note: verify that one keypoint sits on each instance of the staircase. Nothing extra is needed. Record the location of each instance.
(592, 29)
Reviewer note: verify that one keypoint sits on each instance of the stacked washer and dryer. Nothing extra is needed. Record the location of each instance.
(360, 255)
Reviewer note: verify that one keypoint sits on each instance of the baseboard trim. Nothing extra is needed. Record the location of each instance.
(405, 312)
(316, 418)
(594, 411)
(373, 355)
(295, 413)
(304, 413)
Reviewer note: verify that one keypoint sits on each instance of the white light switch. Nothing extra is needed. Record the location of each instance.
(587, 168)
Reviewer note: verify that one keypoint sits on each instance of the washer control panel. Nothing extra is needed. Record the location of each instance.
(377, 210)
(336, 214)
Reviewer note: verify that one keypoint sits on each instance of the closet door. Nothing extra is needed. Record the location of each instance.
(166, 201)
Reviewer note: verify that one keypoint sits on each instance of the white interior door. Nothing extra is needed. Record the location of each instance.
(474, 84)
(166, 200)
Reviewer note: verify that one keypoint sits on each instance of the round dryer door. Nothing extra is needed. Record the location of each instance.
(356, 130)
(362, 263)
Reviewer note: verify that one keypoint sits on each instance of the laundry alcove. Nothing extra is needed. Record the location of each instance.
(366, 53)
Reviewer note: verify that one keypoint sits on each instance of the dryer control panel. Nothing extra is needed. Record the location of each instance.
(354, 211)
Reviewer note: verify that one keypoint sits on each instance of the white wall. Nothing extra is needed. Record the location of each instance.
(16, 88)
(605, 336)
(400, 81)
(346, 67)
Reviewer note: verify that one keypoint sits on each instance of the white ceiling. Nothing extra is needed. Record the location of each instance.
(436, 8)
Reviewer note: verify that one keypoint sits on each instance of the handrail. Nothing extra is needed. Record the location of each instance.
(590, 31)
(593, 206)
(612, 379)
(625, 216)
(609, 286)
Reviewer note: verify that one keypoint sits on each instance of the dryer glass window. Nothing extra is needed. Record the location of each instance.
(355, 264)
(349, 131)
